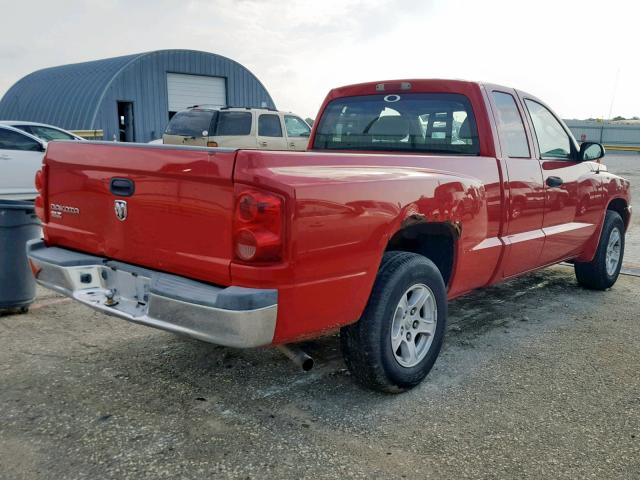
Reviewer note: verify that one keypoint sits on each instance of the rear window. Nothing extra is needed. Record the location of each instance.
(191, 123)
(418, 122)
(233, 123)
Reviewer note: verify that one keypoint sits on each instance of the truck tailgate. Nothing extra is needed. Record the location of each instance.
(178, 218)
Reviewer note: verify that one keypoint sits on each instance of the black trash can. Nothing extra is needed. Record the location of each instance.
(18, 224)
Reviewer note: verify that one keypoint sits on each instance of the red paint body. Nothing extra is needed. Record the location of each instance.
(340, 210)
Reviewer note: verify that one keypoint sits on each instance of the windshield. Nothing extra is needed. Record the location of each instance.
(46, 133)
(191, 123)
(419, 122)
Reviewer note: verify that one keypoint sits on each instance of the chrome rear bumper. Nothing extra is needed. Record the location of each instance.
(231, 316)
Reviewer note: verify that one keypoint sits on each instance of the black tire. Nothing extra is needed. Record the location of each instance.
(366, 345)
(594, 275)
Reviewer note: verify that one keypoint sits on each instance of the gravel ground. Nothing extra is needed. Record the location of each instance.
(538, 379)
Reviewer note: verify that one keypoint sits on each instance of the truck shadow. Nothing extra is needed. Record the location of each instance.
(246, 376)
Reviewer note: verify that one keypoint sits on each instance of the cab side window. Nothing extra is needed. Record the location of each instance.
(10, 140)
(553, 140)
(269, 126)
(296, 127)
(510, 126)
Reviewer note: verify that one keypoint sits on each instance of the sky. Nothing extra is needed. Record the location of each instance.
(581, 57)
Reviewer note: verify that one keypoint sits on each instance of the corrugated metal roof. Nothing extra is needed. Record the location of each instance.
(67, 96)
(83, 96)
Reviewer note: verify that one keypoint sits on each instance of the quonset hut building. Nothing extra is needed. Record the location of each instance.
(131, 98)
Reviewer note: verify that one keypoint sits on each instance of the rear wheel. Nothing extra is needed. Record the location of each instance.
(398, 338)
(603, 271)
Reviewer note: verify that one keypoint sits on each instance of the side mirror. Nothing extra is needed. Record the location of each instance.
(591, 151)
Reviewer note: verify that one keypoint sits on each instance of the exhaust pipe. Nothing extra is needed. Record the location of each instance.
(297, 356)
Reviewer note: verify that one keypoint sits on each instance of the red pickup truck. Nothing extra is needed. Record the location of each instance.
(411, 193)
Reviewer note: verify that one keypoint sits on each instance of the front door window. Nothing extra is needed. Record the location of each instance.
(553, 140)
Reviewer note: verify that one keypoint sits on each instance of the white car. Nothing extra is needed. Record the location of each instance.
(237, 127)
(42, 130)
(20, 158)
(22, 146)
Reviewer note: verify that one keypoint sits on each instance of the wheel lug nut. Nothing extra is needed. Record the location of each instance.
(408, 336)
(415, 324)
(413, 311)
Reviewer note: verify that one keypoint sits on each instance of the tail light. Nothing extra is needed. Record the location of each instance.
(40, 183)
(258, 232)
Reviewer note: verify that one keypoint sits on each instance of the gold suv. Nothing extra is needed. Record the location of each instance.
(237, 127)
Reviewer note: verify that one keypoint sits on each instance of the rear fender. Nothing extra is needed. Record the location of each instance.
(342, 217)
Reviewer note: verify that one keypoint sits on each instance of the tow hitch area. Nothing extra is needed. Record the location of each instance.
(231, 316)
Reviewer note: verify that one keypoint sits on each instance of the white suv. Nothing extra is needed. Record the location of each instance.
(236, 127)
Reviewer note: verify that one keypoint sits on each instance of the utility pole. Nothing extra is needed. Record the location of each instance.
(613, 96)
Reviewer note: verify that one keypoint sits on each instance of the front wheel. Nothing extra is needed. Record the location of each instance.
(603, 271)
(398, 338)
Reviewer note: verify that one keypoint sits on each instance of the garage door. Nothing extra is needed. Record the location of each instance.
(188, 90)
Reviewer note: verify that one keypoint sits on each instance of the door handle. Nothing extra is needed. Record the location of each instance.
(292, 145)
(5, 157)
(122, 187)
(262, 144)
(554, 181)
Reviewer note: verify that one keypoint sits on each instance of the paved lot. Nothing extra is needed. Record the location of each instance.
(628, 165)
(538, 379)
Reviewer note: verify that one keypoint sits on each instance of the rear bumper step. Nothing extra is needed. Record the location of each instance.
(232, 316)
